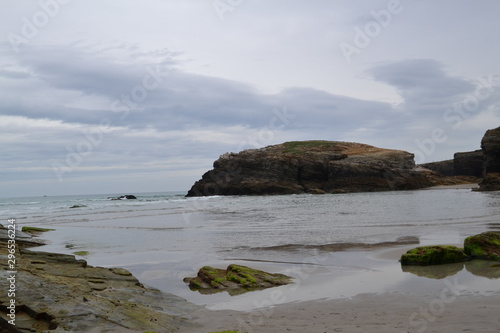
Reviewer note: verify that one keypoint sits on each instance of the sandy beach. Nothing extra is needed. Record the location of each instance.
(384, 313)
(453, 187)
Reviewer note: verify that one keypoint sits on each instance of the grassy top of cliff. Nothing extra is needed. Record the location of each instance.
(340, 147)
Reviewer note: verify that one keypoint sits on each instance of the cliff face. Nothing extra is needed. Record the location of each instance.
(491, 150)
(444, 168)
(310, 167)
(463, 164)
(468, 164)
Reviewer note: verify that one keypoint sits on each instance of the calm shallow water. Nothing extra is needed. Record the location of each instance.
(163, 237)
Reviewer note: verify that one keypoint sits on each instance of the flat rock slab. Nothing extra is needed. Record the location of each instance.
(59, 293)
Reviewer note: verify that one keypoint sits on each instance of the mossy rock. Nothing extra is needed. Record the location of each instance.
(433, 255)
(35, 230)
(236, 279)
(483, 246)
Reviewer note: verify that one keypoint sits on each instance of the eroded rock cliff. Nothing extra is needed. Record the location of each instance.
(311, 167)
(491, 150)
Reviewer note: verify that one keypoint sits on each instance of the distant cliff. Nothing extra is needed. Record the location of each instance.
(491, 168)
(463, 164)
(311, 167)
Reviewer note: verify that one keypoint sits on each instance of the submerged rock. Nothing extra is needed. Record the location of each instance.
(235, 279)
(433, 255)
(311, 167)
(483, 246)
(124, 197)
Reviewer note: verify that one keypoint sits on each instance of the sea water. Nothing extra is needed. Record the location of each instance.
(163, 237)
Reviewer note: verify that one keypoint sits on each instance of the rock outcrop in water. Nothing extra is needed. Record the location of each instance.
(484, 246)
(433, 255)
(491, 150)
(311, 167)
(236, 279)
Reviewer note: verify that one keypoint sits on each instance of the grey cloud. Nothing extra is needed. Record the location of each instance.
(422, 81)
(16, 75)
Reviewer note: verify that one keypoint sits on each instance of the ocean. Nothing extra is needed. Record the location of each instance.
(334, 245)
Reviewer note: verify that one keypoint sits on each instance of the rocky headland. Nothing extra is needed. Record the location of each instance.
(311, 167)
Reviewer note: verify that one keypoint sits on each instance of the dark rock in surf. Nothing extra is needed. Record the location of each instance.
(124, 197)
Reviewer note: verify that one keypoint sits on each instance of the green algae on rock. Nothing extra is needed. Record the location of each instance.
(483, 246)
(35, 229)
(433, 255)
(235, 280)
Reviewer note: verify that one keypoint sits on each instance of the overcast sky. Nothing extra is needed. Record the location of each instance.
(127, 96)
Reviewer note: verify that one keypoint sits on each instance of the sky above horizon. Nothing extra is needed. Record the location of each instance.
(122, 96)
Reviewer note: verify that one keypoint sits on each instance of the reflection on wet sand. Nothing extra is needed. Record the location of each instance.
(484, 268)
(488, 269)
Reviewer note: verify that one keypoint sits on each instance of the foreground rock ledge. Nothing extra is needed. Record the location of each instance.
(57, 293)
(311, 167)
(235, 280)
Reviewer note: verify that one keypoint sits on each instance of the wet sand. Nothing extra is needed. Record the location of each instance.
(452, 307)
(385, 313)
(453, 187)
